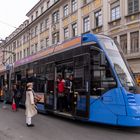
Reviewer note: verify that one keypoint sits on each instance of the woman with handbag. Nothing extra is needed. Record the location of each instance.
(30, 105)
(16, 96)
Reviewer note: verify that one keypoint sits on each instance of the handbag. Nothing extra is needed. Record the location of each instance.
(36, 98)
(14, 105)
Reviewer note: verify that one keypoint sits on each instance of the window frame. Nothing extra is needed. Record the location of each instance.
(66, 33)
(98, 18)
(66, 10)
(86, 24)
(134, 41)
(55, 38)
(55, 16)
(123, 43)
(131, 6)
(74, 29)
(116, 13)
(74, 5)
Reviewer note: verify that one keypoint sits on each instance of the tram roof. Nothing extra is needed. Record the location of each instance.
(66, 45)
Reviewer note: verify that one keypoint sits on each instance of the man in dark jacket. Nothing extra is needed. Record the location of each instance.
(69, 91)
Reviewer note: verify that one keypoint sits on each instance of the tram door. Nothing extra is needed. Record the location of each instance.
(65, 70)
(81, 85)
(50, 81)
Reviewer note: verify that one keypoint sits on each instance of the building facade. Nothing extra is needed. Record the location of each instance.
(51, 22)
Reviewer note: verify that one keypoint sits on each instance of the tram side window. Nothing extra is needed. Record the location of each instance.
(39, 78)
(102, 78)
(81, 73)
(39, 85)
(79, 78)
(49, 72)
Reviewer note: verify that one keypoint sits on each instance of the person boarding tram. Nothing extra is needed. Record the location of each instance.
(69, 90)
(60, 90)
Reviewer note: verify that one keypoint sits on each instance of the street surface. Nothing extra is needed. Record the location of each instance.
(49, 127)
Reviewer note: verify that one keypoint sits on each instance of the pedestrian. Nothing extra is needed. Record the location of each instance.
(30, 105)
(69, 91)
(5, 93)
(16, 96)
(60, 90)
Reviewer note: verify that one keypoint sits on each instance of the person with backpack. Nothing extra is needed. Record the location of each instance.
(60, 90)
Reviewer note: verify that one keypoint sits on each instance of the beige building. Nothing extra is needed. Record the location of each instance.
(51, 22)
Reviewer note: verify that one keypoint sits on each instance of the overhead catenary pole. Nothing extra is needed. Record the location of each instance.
(4, 61)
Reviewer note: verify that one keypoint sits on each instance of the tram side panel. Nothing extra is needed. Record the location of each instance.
(107, 108)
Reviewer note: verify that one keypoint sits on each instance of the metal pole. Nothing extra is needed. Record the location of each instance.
(10, 80)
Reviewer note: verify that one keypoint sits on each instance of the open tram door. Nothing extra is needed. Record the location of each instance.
(81, 85)
(49, 86)
(65, 99)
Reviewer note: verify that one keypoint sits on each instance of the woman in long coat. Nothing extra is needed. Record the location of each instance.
(30, 105)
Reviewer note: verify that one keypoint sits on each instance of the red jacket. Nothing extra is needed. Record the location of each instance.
(61, 86)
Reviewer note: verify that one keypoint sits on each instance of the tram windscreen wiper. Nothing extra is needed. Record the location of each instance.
(130, 87)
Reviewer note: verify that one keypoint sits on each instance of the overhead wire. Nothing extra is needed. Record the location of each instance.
(5, 23)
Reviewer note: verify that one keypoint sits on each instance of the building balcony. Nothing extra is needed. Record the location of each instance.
(132, 17)
(98, 29)
(114, 23)
(132, 55)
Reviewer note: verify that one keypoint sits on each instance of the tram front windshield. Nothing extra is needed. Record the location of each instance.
(119, 64)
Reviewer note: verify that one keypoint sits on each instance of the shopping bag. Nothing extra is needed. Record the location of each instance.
(14, 105)
(36, 99)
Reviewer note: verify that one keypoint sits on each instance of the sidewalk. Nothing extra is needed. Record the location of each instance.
(13, 127)
(47, 127)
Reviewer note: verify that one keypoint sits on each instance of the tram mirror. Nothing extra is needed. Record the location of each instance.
(103, 60)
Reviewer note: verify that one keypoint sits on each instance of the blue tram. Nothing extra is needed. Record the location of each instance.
(104, 89)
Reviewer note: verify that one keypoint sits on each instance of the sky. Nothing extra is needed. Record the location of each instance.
(13, 14)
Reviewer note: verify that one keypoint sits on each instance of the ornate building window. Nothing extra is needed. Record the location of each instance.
(74, 30)
(115, 10)
(66, 10)
(134, 41)
(123, 43)
(36, 47)
(36, 14)
(55, 17)
(74, 5)
(66, 33)
(47, 42)
(86, 24)
(42, 9)
(47, 23)
(55, 38)
(133, 6)
(98, 18)
(41, 44)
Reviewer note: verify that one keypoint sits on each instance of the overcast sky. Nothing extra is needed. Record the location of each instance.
(13, 13)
